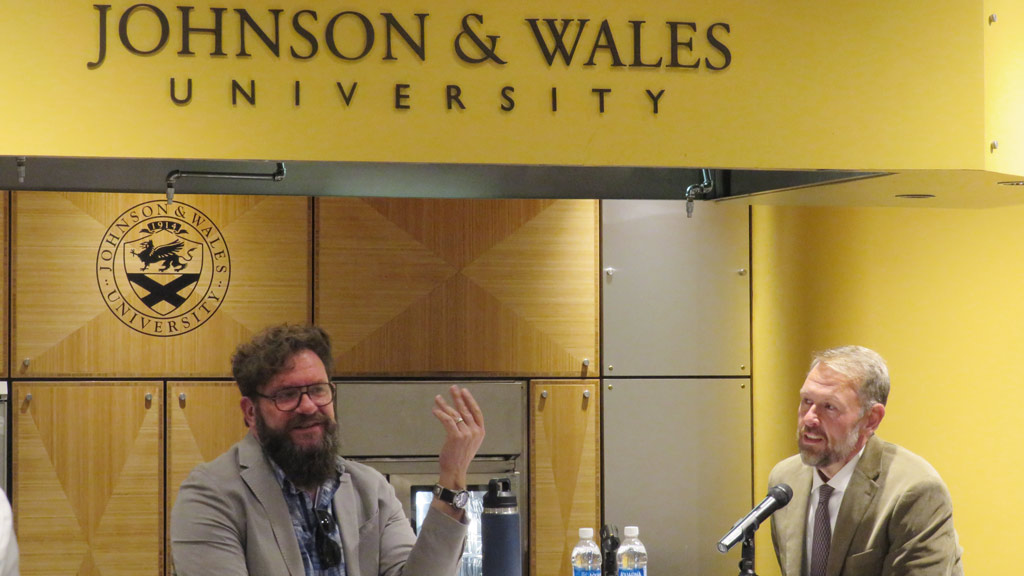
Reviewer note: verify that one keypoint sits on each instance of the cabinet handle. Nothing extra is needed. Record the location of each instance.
(544, 394)
(586, 393)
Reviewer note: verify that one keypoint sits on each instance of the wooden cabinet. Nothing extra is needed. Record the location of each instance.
(127, 286)
(458, 287)
(88, 481)
(565, 470)
(203, 421)
(88, 474)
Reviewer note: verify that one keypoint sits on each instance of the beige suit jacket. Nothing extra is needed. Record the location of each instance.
(231, 519)
(896, 518)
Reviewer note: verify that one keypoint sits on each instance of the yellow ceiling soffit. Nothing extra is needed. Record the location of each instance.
(873, 85)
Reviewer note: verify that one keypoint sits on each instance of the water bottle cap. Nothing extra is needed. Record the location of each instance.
(631, 532)
(499, 494)
(586, 533)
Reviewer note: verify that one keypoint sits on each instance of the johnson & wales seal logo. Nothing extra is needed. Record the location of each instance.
(162, 269)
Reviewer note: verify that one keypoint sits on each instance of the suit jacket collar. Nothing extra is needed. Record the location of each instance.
(346, 499)
(259, 477)
(856, 502)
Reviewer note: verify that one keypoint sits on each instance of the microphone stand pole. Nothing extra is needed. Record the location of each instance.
(747, 558)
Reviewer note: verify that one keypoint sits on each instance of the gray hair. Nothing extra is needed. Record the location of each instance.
(865, 366)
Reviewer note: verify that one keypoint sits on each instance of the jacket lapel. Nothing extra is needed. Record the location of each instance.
(345, 504)
(259, 477)
(856, 502)
(796, 520)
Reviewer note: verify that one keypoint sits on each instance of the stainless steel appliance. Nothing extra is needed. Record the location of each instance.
(389, 426)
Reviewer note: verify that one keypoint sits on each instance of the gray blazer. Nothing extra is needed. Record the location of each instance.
(896, 518)
(231, 519)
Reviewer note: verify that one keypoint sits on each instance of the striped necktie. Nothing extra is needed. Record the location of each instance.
(822, 532)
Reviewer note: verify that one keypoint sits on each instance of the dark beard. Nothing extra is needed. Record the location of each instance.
(307, 468)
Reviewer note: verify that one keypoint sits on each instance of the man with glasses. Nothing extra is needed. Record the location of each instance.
(282, 501)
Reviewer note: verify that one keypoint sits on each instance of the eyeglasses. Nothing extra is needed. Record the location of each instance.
(327, 549)
(289, 399)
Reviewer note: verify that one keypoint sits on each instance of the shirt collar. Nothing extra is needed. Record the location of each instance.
(841, 480)
(286, 484)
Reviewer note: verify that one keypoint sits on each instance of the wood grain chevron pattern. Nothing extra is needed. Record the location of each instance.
(88, 478)
(63, 326)
(203, 421)
(565, 466)
(428, 287)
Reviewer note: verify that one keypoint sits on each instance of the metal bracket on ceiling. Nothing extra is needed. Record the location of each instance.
(175, 175)
(699, 191)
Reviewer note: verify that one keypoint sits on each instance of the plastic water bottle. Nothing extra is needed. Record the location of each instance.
(632, 556)
(586, 556)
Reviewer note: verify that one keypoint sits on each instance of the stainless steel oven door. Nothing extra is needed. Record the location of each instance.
(414, 479)
(389, 425)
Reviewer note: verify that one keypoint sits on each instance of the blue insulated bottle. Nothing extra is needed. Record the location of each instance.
(500, 532)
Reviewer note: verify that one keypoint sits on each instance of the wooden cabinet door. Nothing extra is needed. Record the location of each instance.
(172, 288)
(88, 482)
(422, 287)
(565, 470)
(203, 421)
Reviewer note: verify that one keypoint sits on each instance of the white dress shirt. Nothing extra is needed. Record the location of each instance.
(839, 482)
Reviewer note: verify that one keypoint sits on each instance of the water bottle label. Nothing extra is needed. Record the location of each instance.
(586, 572)
(633, 571)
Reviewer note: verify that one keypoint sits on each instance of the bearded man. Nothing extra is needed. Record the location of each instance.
(861, 506)
(282, 501)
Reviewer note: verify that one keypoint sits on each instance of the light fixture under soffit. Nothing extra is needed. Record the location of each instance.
(1013, 183)
(915, 196)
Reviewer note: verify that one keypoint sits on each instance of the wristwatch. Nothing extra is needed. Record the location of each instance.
(457, 500)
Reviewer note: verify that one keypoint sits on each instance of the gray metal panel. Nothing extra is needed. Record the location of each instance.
(677, 301)
(394, 418)
(677, 463)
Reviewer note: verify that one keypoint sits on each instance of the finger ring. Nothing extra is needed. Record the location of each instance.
(460, 420)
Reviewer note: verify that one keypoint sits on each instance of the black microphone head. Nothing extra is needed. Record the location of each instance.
(782, 494)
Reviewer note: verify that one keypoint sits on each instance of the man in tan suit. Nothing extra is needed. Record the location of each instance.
(283, 502)
(861, 506)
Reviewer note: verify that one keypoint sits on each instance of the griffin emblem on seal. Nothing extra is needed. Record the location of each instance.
(168, 254)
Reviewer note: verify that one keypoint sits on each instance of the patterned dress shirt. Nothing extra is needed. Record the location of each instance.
(304, 522)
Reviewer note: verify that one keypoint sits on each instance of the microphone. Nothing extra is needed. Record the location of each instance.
(778, 496)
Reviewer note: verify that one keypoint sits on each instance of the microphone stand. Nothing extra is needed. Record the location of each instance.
(747, 557)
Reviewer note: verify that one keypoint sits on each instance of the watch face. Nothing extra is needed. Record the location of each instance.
(461, 499)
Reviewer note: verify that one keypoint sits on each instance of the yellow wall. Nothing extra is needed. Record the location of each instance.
(936, 292)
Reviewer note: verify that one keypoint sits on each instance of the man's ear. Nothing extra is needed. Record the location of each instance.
(248, 412)
(874, 416)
